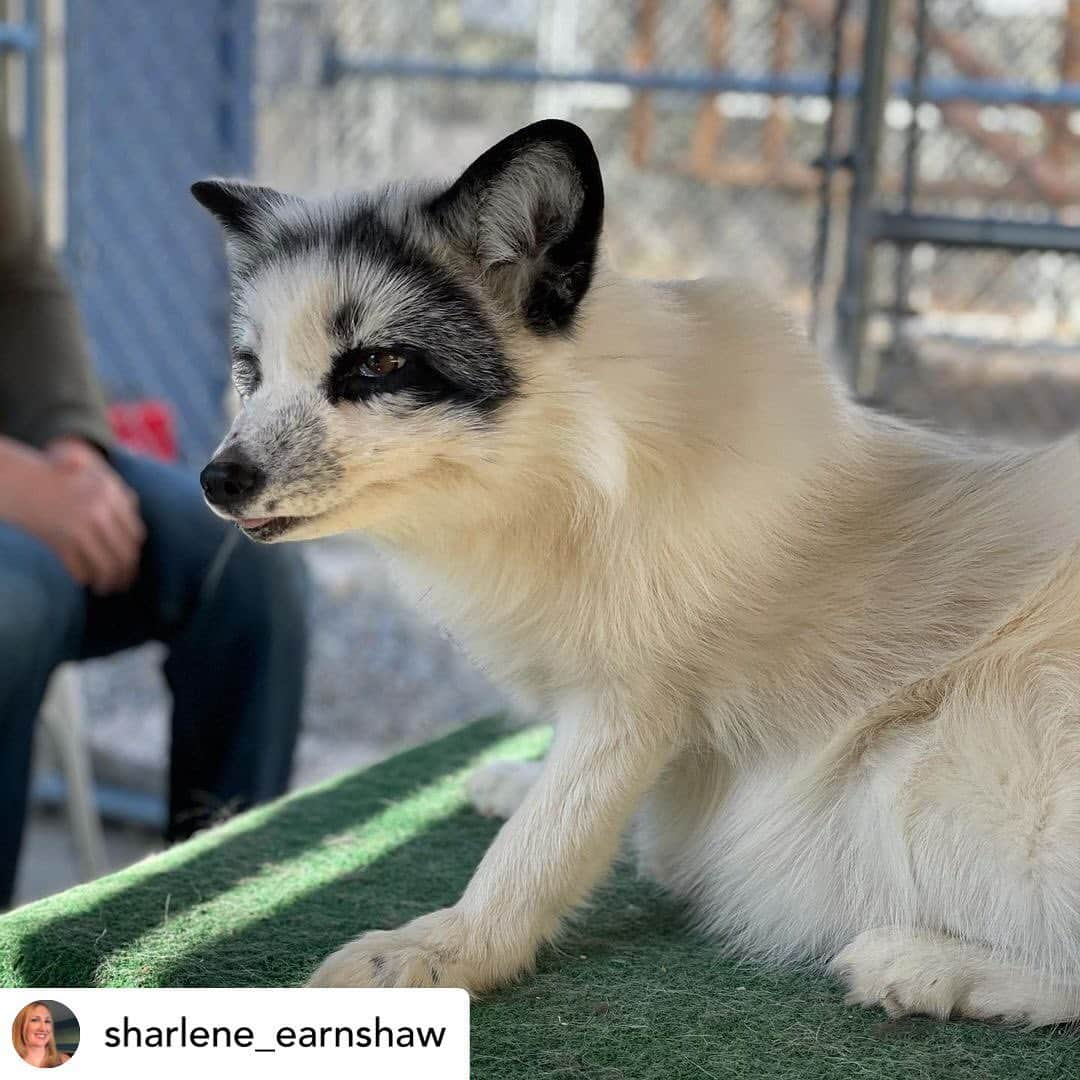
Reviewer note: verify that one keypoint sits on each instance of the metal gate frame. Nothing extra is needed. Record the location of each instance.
(869, 225)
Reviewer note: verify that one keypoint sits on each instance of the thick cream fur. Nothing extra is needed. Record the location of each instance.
(832, 661)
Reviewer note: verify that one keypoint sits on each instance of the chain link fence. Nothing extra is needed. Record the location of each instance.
(701, 183)
(988, 340)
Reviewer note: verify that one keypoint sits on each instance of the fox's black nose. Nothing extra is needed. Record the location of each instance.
(229, 482)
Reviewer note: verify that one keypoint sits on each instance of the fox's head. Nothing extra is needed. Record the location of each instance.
(378, 340)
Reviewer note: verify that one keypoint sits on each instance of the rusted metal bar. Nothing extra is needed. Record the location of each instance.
(710, 126)
(775, 129)
(1062, 140)
(1047, 179)
(642, 58)
(1045, 174)
(801, 179)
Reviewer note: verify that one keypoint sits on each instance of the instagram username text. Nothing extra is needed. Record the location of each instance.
(185, 1034)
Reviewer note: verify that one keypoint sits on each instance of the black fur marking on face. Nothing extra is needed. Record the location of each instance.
(453, 351)
(345, 324)
(423, 382)
(346, 232)
(246, 372)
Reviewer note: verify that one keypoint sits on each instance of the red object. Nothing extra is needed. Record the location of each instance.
(147, 427)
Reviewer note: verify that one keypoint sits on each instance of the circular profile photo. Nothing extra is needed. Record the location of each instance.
(45, 1034)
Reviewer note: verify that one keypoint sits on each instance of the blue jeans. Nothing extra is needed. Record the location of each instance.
(236, 641)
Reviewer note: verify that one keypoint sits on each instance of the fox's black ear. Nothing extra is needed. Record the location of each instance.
(239, 206)
(529, 212)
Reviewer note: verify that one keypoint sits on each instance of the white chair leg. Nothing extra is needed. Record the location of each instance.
(62, 719)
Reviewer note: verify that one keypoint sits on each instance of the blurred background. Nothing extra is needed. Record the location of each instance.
(902, 173)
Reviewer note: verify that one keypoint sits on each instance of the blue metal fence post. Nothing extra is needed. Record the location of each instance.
(24, 38)
(159, 95)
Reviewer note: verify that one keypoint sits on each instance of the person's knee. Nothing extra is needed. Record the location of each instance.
(265, 589)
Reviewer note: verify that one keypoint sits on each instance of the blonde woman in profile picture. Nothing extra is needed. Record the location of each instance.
(32, 1034)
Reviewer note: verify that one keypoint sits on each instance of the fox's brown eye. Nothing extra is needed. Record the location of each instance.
(364, 372)
(377, 364)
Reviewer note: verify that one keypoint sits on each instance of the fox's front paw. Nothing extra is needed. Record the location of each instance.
(429, 951)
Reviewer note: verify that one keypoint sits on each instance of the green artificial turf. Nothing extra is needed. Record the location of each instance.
(629, 993)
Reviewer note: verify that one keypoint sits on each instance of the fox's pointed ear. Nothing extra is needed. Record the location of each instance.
(241, 208)
(528, 212)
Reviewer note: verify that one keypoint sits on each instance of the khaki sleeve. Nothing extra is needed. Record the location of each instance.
(47, 387)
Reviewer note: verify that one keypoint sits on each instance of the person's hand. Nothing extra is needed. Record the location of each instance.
(86, 513)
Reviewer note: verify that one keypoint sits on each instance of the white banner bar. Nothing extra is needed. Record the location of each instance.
(205, 1034)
